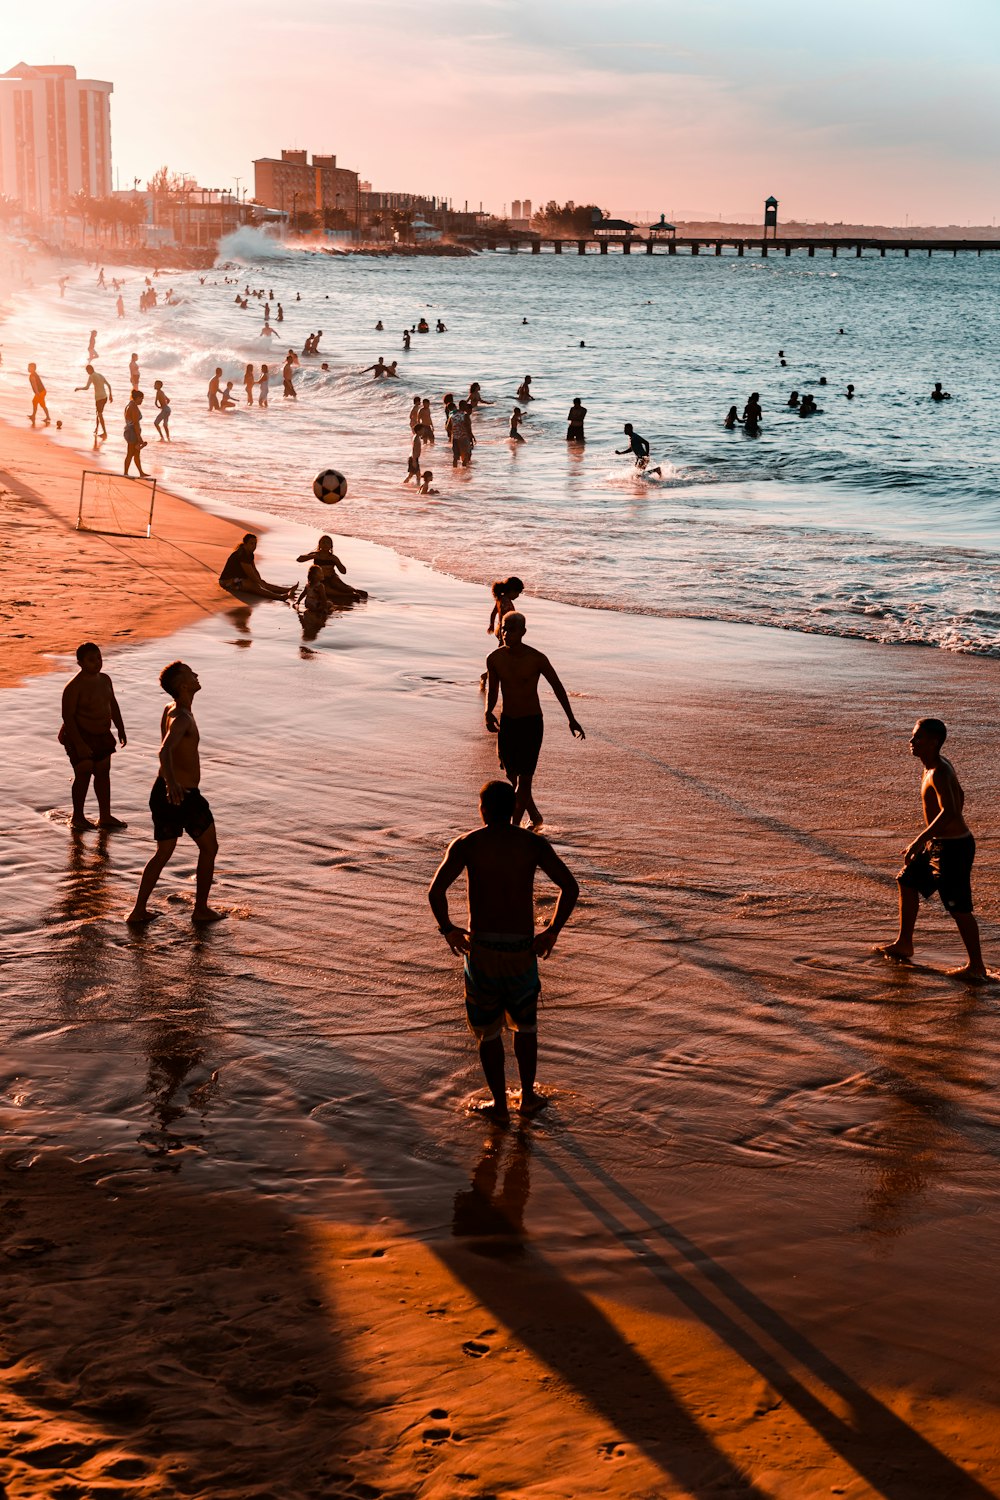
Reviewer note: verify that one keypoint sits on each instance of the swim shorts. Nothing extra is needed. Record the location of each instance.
(519, 744)
(501, 984)
(574, 434)
(192, 816)
(944, 866)
(100, 745)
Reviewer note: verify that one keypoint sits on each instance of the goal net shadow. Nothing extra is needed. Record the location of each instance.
(115, 504)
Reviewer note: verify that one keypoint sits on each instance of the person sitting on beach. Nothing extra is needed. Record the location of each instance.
(239, 573)
(314, 597)
(500, 947)
(213, 389)
(752, 415)
(793, 400)
(89, 708)
(516, 418)
(102, 395)
(162, 419)
(330, 565)
(513, 671)
(732, 419)
(638, 446)
(424, 487)
(38, 394)
(940, 857)
(176, 802)
(523, 391)
(134, 442)
(937, 394)
(575, 419)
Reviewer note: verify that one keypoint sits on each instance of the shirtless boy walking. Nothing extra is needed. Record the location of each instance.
(89, 708)
(175, 801)
(513, 672)
(940, 857)
(500, 946)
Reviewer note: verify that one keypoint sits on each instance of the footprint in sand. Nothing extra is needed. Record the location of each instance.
(474, 1349)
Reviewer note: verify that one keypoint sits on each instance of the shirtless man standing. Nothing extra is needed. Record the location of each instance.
(213, 389)
(500, 947)
(513, 670)
(102, 395)
(175, 802)
(940, 857)
(89, 708)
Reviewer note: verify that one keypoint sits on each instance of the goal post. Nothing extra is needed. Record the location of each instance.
(116, 504)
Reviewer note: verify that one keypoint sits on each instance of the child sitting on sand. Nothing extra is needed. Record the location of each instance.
(89, 708)
(330, 565)
(313, 596)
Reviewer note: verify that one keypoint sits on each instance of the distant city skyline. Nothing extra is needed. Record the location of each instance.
(869, 113)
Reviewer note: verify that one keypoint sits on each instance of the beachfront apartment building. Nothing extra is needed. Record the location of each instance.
(55, 136)
(293, 184)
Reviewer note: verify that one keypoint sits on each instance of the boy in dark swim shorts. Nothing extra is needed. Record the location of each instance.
(89, 708)
(940, 857)
(500, 947)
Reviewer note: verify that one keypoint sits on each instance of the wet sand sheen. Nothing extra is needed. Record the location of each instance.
(256, 1247)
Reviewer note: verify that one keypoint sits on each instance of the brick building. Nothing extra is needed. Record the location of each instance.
(292, 183)
(55, 136)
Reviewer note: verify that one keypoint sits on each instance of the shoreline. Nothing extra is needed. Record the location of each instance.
(59, 586)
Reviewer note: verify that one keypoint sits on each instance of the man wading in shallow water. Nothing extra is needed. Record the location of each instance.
(500, 948)
(513, 671)
(940, 857)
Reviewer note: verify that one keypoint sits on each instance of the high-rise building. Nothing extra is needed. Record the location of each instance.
(526, 208)
(55, 136)
(294, 184)
(515, 209)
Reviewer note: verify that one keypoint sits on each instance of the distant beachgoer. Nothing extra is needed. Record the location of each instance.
(732, 418)
(239, 573)
(176, 802)
(413, 465)
(377, 370)
(213, 389)
(424, 488)
(280, 314)
(793, 399)
(577, 413)
(134, 443)
(38, 394)
(391, 371)
(227, 400)
(516, 419)
(89, 708)
(463, 439)
(840, 330)
(102, 395)
(937, 394)
(263, 385)
(120, 306)
(289, 384)
(500, 947)
(639, 447)
(406, 338)
(523, 391)
(92, 350)
(423, 326)
(162, 419)
(425, 425)
(475, 397)
(582, 344)
(100, 279)
(268, 332)
(249, 381)
(379, 328)
(513, 671)
(133, 371)
(314, 597)
(822, 380)
(940, 857)
(849, 393)
(62, 286)
(808, 407)
(752, 415)
(441, 327)
(415, 414)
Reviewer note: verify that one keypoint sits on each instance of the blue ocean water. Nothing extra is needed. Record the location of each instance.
(877, 518)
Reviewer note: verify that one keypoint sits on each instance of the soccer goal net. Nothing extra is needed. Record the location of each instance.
(115, 505)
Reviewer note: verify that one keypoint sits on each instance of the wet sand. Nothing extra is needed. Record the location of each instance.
(60, 586)
(255, 1244)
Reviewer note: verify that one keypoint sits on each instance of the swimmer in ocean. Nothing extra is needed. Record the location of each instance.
(937, 394)
(638, 446)
(516, 418)
(732, 418)
(524, 390)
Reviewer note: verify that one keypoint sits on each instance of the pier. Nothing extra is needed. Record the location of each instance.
(738, 246)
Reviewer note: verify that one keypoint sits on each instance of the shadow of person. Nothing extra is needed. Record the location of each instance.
(896, 1459)
(492, 1220)
(241, 617)
(180, 1336)
(83, 904)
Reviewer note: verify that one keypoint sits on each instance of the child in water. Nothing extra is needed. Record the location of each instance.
(505, 592)
(516, 418)
(425, 484)
(732, 418)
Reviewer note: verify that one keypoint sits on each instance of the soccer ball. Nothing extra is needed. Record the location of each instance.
(330, 486)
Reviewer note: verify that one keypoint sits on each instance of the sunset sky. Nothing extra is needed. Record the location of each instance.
(872, 110)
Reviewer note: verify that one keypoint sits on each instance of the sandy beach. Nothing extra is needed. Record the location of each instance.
(256, 1245)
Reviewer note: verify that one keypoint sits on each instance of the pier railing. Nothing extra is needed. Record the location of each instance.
(718, 244)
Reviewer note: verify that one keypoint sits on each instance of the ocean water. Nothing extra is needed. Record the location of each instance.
(878, 518)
